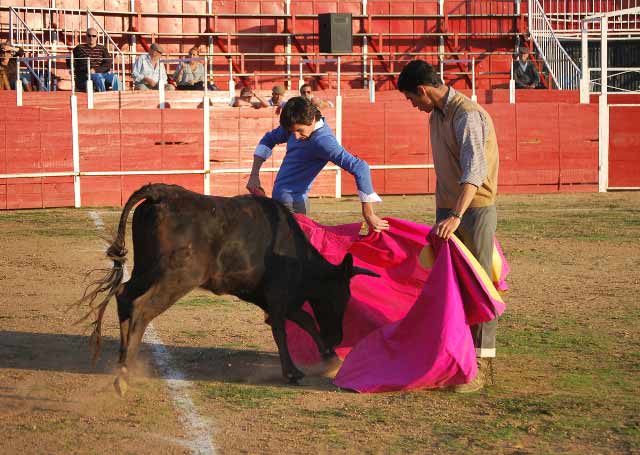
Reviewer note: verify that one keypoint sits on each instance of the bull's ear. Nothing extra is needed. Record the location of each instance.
(347, 265)
(362, 271)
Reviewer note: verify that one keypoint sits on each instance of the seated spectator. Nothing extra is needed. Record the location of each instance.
(525, 72)
(99, 60)
(9, 69)
(246, 99)
(190, 74)
(277, 97)
(307, 92)
(148, 71)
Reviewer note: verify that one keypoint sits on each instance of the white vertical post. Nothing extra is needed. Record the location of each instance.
(603, 112)
(89, 86)
(300, 78)
(206, 144)
(18, 84)
(287, 10)
(339, 132)
(372, 85)
(585, 75)
(512, 87)
(365, 46)
(473, 80)
(232, 84)
(441, 41)
(161, 97)
(75, 144)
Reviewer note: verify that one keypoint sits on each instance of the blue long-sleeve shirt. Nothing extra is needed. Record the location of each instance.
(305, 159)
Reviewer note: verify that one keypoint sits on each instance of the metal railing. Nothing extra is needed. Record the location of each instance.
(566, 17)
(564, 71)
(51, 32)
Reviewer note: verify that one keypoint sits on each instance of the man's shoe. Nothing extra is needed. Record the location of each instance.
(485, 366)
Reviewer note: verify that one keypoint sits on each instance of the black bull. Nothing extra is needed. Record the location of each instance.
(250, 247)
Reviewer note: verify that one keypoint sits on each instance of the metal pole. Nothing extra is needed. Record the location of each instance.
(512, 87)
(18, 83)
(473, 80)
(338, 131)
(161, 97)
(76, 151)
(232, 84)
(89, 86)
(288, 45)
(603, 112)
(584, 76)
(300, 78)
(206, 144)
(372, 85)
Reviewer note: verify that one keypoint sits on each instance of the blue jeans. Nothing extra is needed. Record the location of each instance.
(99, 80)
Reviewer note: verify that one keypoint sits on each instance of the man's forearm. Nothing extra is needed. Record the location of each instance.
(257, 164)
(464, 200)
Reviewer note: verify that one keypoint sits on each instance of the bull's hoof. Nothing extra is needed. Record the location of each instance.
(294, 378)
(121, 386)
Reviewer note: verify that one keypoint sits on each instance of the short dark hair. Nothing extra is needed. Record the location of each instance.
(299, 110)
(303, 86)
(418, 72)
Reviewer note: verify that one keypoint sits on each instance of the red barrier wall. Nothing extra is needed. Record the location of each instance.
(544, 147)
(624, 146)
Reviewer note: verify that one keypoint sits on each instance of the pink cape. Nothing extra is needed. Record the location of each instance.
(409, 328)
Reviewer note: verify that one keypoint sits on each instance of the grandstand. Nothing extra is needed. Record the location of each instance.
(107, 144)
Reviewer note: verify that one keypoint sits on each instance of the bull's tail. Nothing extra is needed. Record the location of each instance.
(111, 283)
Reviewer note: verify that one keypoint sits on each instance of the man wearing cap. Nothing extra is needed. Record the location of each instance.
(148, 71)
(310, 146)
(465, 157)
(99, 60)
(277, 96)
(525, 73)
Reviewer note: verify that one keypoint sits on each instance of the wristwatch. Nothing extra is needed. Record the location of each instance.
(455, 214)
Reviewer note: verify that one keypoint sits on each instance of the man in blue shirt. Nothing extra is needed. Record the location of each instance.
(310, 145)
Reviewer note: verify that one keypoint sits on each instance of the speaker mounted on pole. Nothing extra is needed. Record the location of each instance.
(336, 33)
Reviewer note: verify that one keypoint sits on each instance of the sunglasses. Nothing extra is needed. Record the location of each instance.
(306, 93)
(92, 36)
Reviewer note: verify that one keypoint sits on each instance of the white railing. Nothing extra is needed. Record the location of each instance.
(54, 31)
(566, 17)
(21, 35)
(565, 73)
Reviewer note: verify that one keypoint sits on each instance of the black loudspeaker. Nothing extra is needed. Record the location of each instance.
(335, 32)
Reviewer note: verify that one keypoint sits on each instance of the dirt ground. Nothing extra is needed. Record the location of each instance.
(566, 380)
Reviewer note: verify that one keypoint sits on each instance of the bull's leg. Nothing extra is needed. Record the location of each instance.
(144, 309)
(305, 321)
(289, 370)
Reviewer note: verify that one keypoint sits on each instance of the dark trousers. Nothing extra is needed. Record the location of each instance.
(477, 231)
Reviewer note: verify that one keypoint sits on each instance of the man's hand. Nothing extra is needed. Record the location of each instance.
(446, 227)
(150, 82)
(253, 185)
(376, 223)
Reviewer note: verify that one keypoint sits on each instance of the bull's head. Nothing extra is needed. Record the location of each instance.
(330, 301)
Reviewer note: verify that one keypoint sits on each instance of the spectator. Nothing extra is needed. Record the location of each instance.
(310, 145)
(246, 99)
(190, 75)
(148, 71)
(100, 62)
(465, 155)
(525, 73)
(9, 69)
(307, 92)
(277, 97)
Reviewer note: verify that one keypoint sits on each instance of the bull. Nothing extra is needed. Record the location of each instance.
(246, 246)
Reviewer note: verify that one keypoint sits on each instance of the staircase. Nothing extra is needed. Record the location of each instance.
(48, 36)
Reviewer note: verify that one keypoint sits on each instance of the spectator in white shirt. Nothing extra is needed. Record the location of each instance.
(148, 72)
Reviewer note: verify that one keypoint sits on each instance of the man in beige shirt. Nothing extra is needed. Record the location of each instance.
(465, 158)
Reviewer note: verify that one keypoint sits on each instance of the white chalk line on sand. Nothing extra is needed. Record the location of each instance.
(200, 443)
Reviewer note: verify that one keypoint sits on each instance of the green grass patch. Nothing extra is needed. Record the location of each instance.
(247, 396)
(201, 301)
